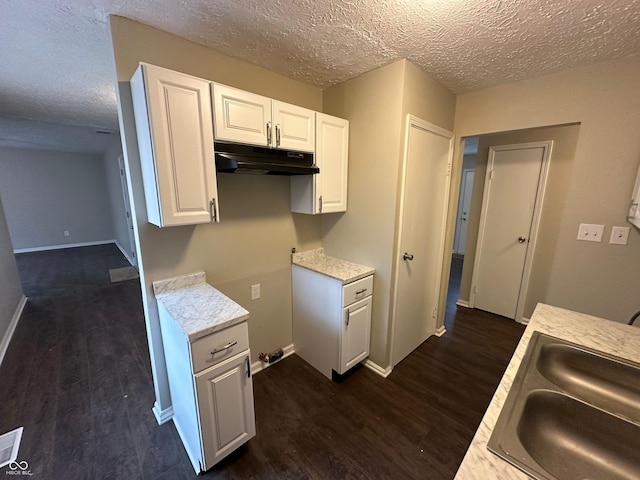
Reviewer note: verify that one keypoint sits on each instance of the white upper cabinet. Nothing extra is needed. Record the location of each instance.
(241, 116)
(294, 127)
(245, 117)
(325, 192)
(175, 139)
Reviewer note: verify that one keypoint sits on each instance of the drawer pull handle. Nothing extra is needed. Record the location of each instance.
(226, 347)
(360, 292)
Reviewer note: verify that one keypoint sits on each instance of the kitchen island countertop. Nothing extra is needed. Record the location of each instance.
(604, 335)
(317, 261)
(197, 307)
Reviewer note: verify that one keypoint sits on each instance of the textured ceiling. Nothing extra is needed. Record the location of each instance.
(57, 66)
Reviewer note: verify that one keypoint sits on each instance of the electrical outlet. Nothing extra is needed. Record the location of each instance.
(590, 232)
(255, 291)
(66, 233)
(619, 235)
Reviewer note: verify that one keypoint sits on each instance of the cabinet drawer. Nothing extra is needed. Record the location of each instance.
(357, 290)
(227, 342)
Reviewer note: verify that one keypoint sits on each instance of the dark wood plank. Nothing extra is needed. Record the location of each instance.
(78, 378)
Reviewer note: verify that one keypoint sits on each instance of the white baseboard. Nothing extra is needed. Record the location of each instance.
(524, 321)
(60, 247)
(259, 365)
(162, 416)
(383, 372)
(6, 339)
(462, 303)
(440, 331)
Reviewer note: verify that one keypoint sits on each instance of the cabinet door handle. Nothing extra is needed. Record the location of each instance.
(248, 367)
(226, 347)
(277, 134)
(320, 201)
(214, 210)
(346, 320)
(269, 134)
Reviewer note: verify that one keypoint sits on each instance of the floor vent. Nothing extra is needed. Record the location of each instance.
(9, 445)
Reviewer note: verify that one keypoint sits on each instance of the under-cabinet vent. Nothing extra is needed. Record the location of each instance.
(9, 445)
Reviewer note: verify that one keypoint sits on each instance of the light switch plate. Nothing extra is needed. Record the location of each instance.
(255, 291)
(619, 235)
(590, 232)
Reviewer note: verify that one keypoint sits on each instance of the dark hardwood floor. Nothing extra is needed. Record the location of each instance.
(77, 377)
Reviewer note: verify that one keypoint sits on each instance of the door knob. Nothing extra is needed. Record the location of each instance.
(521, 239)
(407, 256)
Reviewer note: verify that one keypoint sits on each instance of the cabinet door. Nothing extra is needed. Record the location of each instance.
(175, 136)
(294, 127)
(356, 333)
(325, 192)
(225, 403)
(332, 154)
(241, 116)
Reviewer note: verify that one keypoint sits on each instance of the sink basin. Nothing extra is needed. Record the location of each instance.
(571, 413)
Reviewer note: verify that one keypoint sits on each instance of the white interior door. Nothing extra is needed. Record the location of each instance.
(511, 204)
(424, 199)
(463, 211)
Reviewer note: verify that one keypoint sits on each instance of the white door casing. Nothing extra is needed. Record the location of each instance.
(133, 258)
(424, 195)
(511, 208)
(462, 222)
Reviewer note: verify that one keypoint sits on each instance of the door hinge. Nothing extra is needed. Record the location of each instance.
(491, 175)
(448, 169)
(434, 314)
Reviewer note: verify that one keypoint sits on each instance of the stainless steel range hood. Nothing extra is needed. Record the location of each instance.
(247, 159)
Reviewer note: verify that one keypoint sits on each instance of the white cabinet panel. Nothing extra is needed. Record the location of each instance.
(356, 332)
(294, 127)
(325, 192)
(225, 399)
(175, 138)
(245, 117)
(241, 116)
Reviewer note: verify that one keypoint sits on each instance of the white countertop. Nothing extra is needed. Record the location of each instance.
(197, 307)
(603, 335)
(317, 261)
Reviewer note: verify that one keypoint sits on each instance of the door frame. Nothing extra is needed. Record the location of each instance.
(124, 183)
(535, 223)
(411, 122)
(461, 195)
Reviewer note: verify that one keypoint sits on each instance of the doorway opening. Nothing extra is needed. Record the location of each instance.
(560, 165)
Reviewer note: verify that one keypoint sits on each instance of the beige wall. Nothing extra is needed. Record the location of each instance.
(594, 278)
(376, 104)
(10, 287)
(253, 241)
(560, 165)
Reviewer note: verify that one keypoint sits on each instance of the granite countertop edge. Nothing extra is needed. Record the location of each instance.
(197, 308)
(597, 333)
(338, 269)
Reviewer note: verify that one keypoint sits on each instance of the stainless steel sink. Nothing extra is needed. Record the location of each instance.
(571, 413)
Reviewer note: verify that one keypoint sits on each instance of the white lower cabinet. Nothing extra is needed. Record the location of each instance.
(225, 402)
(331, 320)
(211, 390)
